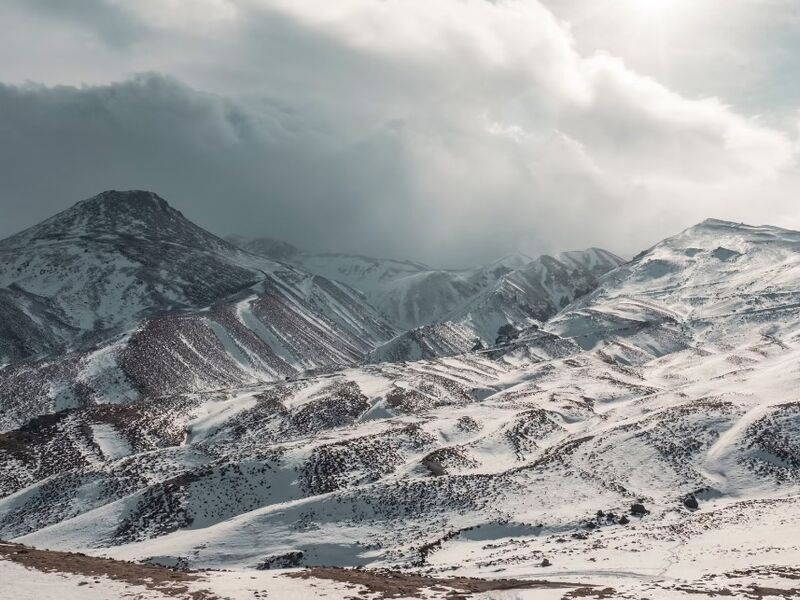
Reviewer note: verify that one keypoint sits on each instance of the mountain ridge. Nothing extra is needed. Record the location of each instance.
(444, 311)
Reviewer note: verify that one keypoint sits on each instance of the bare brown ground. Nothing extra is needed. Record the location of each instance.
(394, 584)
(385, 584)
(167, 581)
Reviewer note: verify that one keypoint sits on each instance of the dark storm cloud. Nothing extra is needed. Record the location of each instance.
(205, 154)
(268, 174)
(225, 167)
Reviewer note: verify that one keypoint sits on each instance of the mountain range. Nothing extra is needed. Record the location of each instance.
(442, 311)
(629, 427)
(121, 297)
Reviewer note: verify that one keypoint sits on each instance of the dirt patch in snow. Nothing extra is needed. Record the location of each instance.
(169, 582)
(394, 584)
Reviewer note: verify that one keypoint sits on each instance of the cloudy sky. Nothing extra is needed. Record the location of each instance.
(447, 131)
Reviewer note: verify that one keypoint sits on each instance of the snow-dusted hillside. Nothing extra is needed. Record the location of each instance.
(444, 312)
(710, 284)
(122, 297)
(645, 439)
(409, 294)
(108, 260)
(267, 247)
(535, 292)
(518, 299)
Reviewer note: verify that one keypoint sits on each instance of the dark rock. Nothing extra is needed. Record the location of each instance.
(506, 333)
(281, 561)
(638, 510)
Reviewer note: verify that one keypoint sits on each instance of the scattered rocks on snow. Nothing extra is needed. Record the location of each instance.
(282, 561)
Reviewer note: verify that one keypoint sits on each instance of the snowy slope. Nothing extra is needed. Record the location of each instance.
(514, 289)
(267, 247)
(520, 299)
(711, 283)
(413, 295)
(645, 439)
(445, 312)
(108, 260)
(409, 294)
(534, 293)
(371, 466)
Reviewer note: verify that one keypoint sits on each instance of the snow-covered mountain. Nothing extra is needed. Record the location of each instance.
(443, 312)
(518, 299)
(268, 247)
(709, 284)
(644, 440)
(121, 296)
(535, 292)
(409, 294)
(107, 261)
(657, 412)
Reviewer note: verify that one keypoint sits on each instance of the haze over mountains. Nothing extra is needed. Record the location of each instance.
(173, 397)
(121, 295)
(449, 311)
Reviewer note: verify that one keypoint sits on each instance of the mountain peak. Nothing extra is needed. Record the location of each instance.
(718, 230)
(717, 223)
(739, 227)
(128, 200)
(132, 213)
(116, 208)
(508, 263)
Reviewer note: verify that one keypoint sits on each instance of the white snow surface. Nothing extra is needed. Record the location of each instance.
(20, 583)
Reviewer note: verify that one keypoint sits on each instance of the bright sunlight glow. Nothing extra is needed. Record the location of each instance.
(652, 8)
